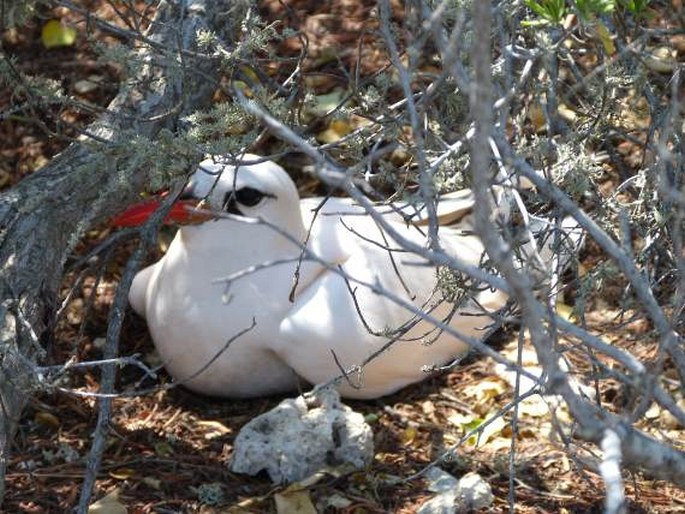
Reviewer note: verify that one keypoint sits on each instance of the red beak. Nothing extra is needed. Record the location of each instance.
(183, 212)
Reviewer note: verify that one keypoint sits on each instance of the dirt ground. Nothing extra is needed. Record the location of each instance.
(168, 450)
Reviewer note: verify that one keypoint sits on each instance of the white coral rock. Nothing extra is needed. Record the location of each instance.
(301, 436)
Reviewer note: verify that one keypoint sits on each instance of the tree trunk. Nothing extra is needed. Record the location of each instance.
(43, 217)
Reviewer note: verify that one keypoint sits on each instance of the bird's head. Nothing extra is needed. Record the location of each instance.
(254, 188)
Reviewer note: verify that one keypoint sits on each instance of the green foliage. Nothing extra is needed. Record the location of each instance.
(552, 11)
(589, 9)
(120, 56)
(575, 171)
(453, 286)
(30, 89)
(256, 37)
(450, 174)
(206, 39)
(371, 99)
(221, 129)
(636, 7)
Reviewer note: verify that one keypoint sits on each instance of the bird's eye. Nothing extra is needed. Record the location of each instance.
(249, 196)
(245, 196)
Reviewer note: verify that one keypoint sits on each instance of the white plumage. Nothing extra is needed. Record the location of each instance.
(192, 314)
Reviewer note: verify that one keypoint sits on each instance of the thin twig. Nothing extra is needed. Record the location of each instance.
(111, 350)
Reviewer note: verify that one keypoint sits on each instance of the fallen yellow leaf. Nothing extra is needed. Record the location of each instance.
(565, 311)
(567, 113)
(408, 435)
(605, 37)
(296, 502)
(660, 60)
(109, 504)
(47, 420)
(122, 473)
(486, 389)
(536, 115)
(250, 74)
(55, 33)
(336, 130)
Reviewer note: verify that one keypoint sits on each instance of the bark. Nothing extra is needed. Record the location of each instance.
(44, 216)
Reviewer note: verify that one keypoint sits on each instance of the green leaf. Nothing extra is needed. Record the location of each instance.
(552, 11)
(590, 9)
(635, 6)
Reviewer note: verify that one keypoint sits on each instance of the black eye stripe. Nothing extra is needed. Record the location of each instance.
(249, 196)
(230, 205)
(246, 196)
